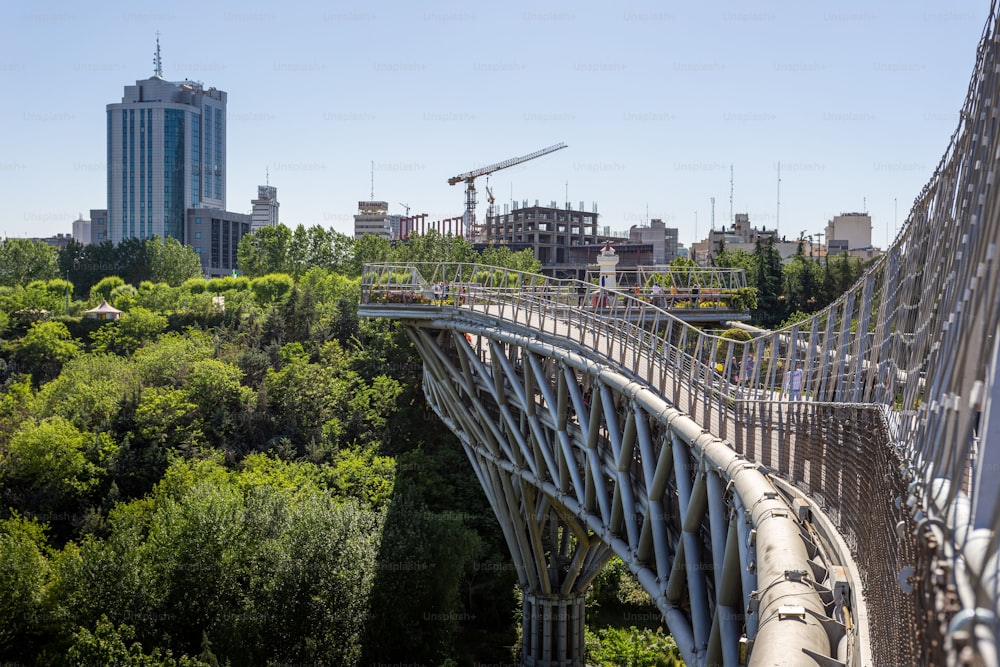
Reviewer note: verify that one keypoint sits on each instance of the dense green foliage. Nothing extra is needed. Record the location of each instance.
(238, 471)
(22, 261)
(282, 250)
(802, 284)
(131, 261)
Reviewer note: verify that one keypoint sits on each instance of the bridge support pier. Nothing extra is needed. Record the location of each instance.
(556, 559)
(555, 552)
(552, 629)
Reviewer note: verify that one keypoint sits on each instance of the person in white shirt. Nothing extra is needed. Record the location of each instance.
(793, 383)
(658, 295)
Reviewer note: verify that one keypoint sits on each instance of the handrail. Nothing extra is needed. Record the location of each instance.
(602, 319)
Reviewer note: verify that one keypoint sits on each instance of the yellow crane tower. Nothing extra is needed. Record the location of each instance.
(469, 178)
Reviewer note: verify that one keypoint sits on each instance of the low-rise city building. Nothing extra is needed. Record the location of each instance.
(215, 236)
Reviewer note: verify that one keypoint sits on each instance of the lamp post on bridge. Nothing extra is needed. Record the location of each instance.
(607, 260)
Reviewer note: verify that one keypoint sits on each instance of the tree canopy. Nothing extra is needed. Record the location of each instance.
(22, 261)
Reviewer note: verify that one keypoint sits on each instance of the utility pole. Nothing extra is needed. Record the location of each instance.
(777, 215)
(731, 218)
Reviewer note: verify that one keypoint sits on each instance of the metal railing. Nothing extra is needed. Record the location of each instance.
(679, 278)
(414, 283)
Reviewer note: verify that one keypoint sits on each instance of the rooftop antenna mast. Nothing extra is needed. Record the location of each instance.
(157, 62)
(713, 213)
(731, 193)
(267, 176)
(373, 181)
(777, 216)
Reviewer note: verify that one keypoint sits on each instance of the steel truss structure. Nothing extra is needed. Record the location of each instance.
(579, 461)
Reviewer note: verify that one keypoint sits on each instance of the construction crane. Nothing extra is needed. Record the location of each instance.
(407, 207)
(470, 181)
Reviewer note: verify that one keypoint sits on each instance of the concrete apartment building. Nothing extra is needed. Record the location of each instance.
(742, 236)
(847, 232)
(81, 230)
(663, 240)
(567, 241)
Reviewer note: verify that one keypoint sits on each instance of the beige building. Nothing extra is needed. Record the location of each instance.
(81, 230)
(663, 239)
(373, 218)
(849, 231)
(265, 208)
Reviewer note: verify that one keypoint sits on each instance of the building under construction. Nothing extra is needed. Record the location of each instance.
(567, 241)
(549, 231)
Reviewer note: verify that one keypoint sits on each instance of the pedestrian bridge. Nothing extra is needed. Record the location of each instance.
(855, 523)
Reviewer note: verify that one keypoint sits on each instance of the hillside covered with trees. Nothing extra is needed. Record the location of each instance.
(241, 471)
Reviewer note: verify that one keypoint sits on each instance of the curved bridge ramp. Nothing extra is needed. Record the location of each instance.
(579, 426)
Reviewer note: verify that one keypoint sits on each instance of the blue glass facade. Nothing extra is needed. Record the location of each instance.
(111, 166)
(142, 174)
(173, 173)
(166, 154)
(149, 169)
(217, 157)
(195, 161)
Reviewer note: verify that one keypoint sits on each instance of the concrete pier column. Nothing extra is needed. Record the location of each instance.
(553, 628)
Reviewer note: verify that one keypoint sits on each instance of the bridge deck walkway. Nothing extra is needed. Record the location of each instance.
(724, 406)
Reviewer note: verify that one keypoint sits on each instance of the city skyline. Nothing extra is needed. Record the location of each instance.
(655, 103)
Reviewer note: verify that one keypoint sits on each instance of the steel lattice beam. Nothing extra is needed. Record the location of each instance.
(571, 483)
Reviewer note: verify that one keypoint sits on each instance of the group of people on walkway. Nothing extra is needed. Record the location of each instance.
(742, 373)
(441, 292)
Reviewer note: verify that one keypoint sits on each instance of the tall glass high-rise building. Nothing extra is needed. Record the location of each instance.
(166, 154)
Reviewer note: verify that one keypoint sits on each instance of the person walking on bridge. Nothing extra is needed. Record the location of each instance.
(793, 383)
(658, 295)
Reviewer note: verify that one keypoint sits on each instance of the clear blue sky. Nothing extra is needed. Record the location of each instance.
(856, 100)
